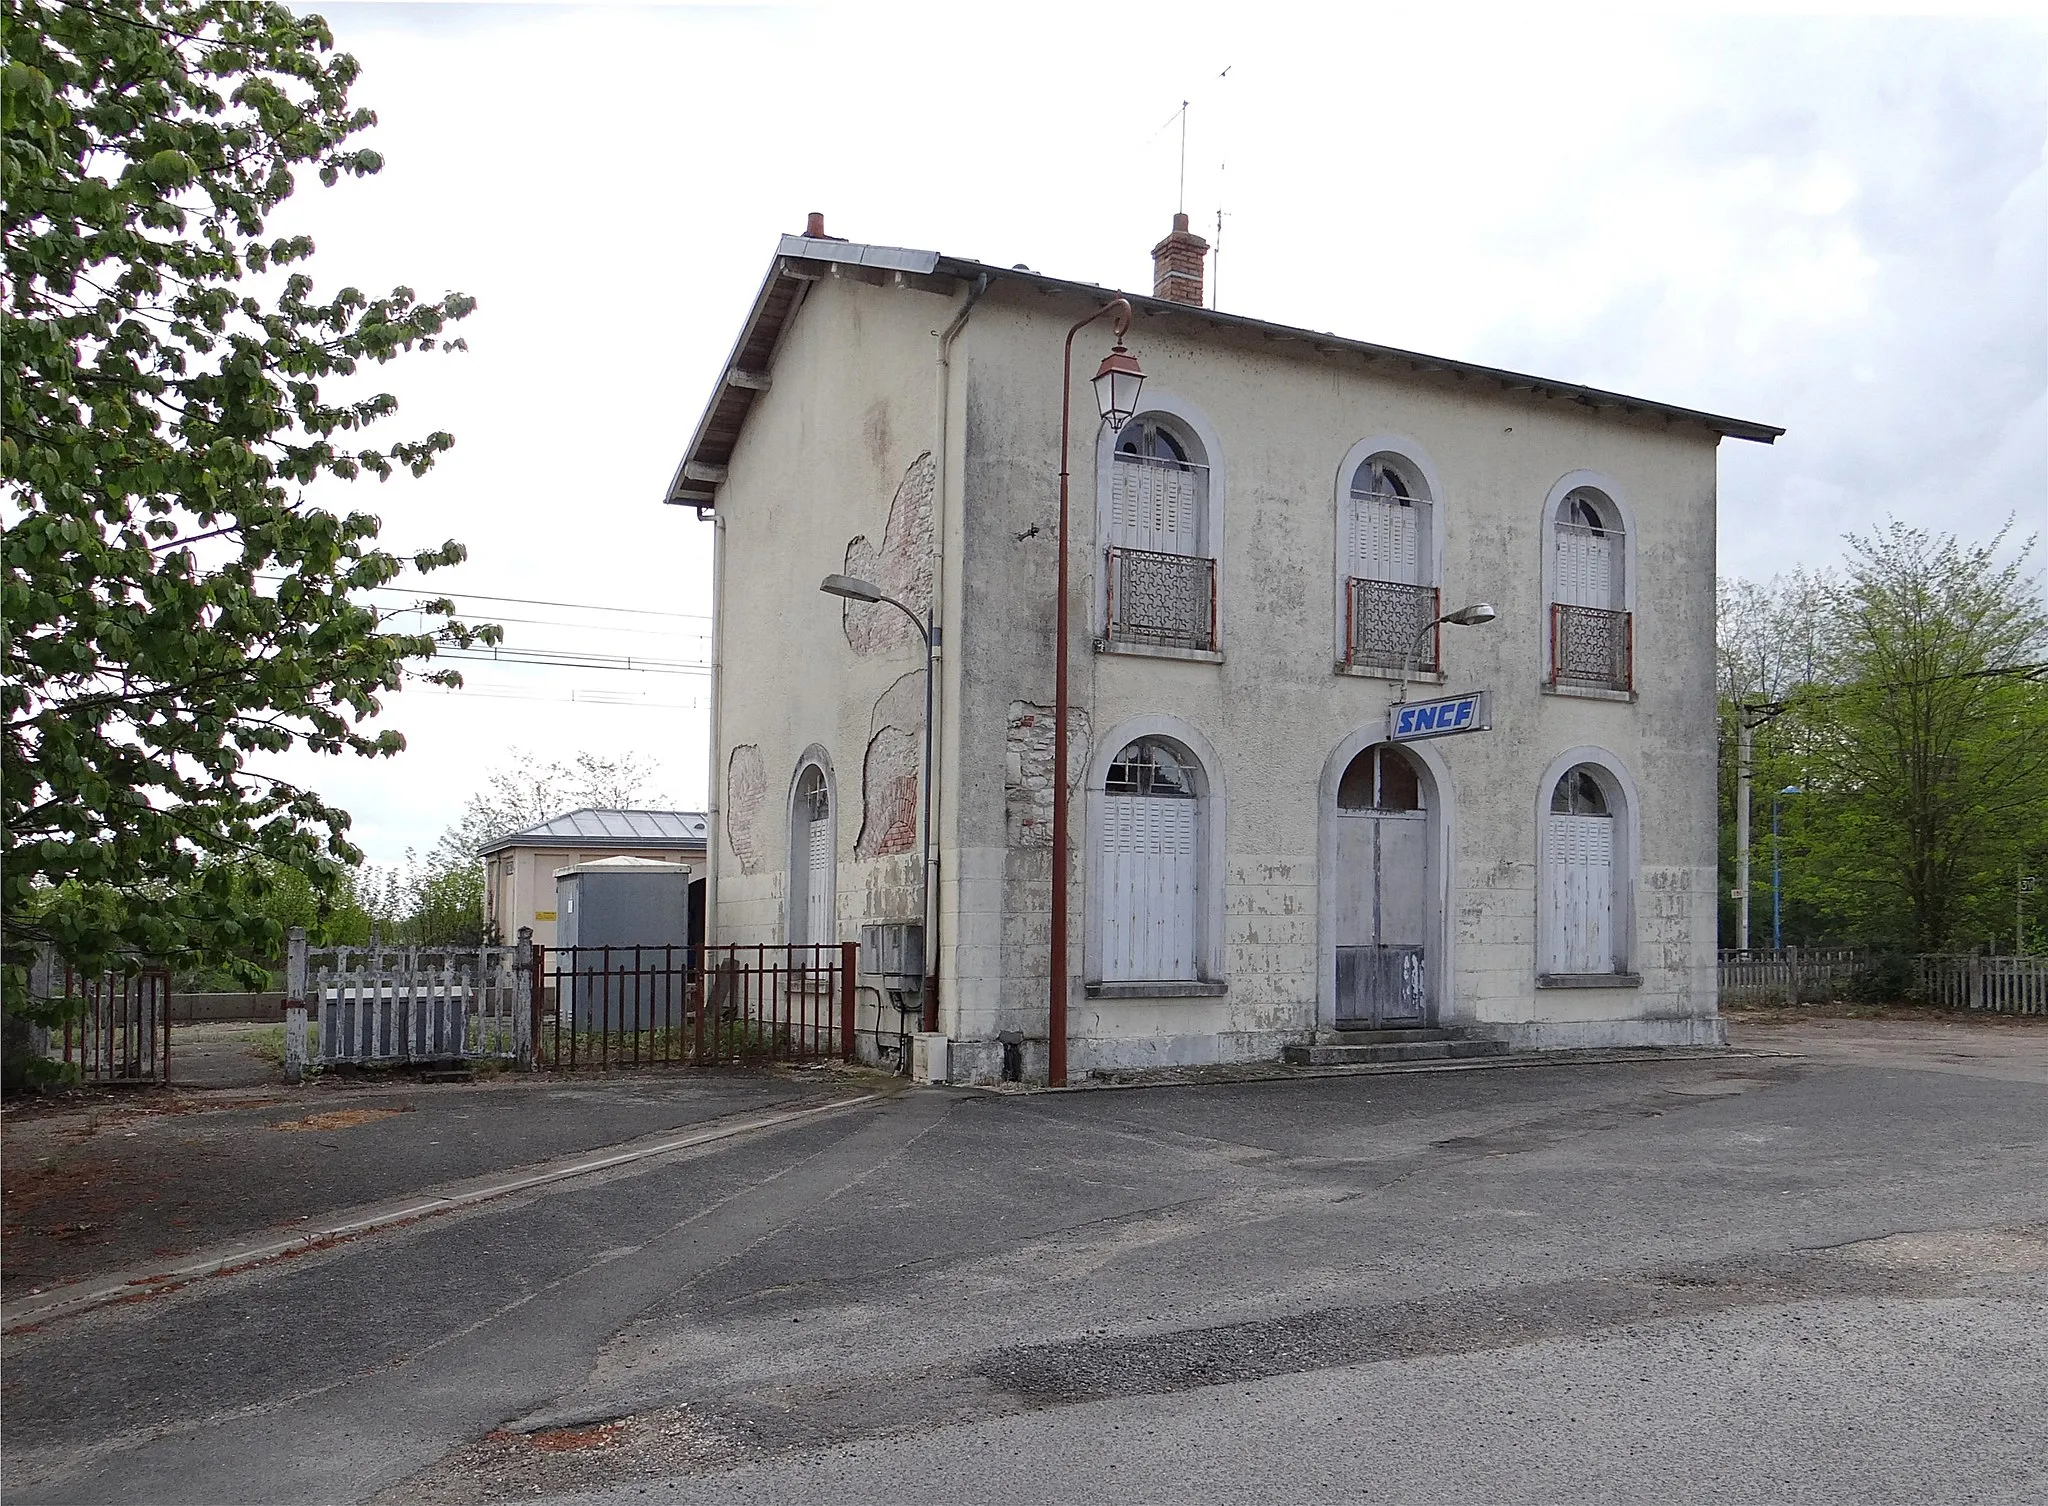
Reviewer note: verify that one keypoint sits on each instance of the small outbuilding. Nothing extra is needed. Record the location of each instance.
(520, 867)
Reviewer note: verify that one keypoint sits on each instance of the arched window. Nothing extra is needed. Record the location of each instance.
(1160, 563)
(813, 860)
(1585, 889)
(1152, 885)
(1387, 558)
(1592, 633)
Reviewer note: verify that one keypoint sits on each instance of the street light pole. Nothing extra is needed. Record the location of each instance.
(852, 588)
(1478, 613)
(1111, 382)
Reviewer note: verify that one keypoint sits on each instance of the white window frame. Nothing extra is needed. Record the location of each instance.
(1209, 831)
(1611, 492)
(1413, 458)
(1193, 425)
(1624, 806)
(794, 917)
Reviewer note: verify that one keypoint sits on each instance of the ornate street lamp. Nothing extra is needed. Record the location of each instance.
(1117, 384)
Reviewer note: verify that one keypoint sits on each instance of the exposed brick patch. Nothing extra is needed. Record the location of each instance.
(1027, 773)
(746, 785)
(889, 773)
(902, 566)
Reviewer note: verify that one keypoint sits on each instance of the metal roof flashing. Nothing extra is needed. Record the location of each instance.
(746, 372)
(588, 827)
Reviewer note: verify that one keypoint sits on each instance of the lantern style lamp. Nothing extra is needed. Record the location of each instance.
(1117, 384)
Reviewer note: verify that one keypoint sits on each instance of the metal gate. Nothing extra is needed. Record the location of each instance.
(627, 1006)
(124, 1033)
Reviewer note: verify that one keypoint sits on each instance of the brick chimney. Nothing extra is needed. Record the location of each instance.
(1177, 265)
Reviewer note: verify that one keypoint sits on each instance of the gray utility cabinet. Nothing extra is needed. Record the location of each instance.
(622, 943)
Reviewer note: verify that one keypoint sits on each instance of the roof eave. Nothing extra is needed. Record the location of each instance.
(1732, 428)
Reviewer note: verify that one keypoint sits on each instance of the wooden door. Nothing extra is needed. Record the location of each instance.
(1151, 901)
(1382, 915)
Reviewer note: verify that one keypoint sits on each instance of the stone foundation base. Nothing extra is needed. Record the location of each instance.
(1605, 1035)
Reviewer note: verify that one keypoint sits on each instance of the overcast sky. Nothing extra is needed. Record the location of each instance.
(1839, 225)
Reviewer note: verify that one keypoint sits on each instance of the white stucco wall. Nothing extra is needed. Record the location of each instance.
(1284, 419)
(825, 454)
(853, 406)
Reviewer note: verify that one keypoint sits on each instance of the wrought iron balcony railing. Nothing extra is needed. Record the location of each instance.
(1590, 646)
(1384, 620)
(1162, 600)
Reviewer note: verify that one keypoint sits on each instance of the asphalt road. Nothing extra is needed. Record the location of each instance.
(1740, 1279)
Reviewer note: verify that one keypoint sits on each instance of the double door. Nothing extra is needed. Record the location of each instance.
(1382, 894)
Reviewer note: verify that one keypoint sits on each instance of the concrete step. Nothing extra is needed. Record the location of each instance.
(1391, 1036)
(1451, 1046)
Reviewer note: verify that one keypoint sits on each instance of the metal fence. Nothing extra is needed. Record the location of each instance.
(123, 1034)
(2000, 985)
(1166, 600)
(692, 1006)
(1592, 646)
(1386, 623)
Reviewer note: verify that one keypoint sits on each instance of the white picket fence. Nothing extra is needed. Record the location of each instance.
(359, 1005)
(2000, 985)
(1791, 974)
(1996, 985)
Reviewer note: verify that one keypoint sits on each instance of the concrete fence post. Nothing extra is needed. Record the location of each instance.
(527, 992)
(1792, 962)
(295, 1005)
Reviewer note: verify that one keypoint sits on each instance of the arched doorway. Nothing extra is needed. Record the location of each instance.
(1381, 874)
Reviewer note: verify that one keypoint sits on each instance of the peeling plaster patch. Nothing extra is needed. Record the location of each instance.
(902, 567)
(1027, 772)
(746, 784)
(888, 792)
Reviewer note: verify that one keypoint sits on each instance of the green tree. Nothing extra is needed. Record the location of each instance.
(174, 599)
(1906, 715)
(1930, 750)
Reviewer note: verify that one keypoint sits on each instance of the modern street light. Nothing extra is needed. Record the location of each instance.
(1478, 613)
(1777, 928)
(1117, 382)
(853, 588)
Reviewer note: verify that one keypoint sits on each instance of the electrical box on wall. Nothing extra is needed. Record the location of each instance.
(892, 953)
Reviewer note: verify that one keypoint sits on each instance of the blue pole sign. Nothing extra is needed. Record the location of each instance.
(1459, 713)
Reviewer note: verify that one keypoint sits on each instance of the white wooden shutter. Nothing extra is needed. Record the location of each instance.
(1155, 506)
(1587, 569)
(819, 929)
(1578, 923)
(1151, 898)
(1385, 541)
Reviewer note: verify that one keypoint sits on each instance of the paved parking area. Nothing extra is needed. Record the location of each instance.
(1762, 1278)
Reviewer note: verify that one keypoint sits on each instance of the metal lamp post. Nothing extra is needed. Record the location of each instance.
(853, 588)
(1476, 614)
(1117, 383)
(1777, 928)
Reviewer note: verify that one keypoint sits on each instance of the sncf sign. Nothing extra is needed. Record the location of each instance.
(1458, 713)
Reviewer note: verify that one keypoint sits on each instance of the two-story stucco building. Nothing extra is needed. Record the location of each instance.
(1256, 560)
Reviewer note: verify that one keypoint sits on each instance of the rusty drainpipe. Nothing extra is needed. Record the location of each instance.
(930, 1019)
(1056, 1023)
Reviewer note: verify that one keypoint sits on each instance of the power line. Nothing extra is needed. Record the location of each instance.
(517, 601)
(564, 659)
